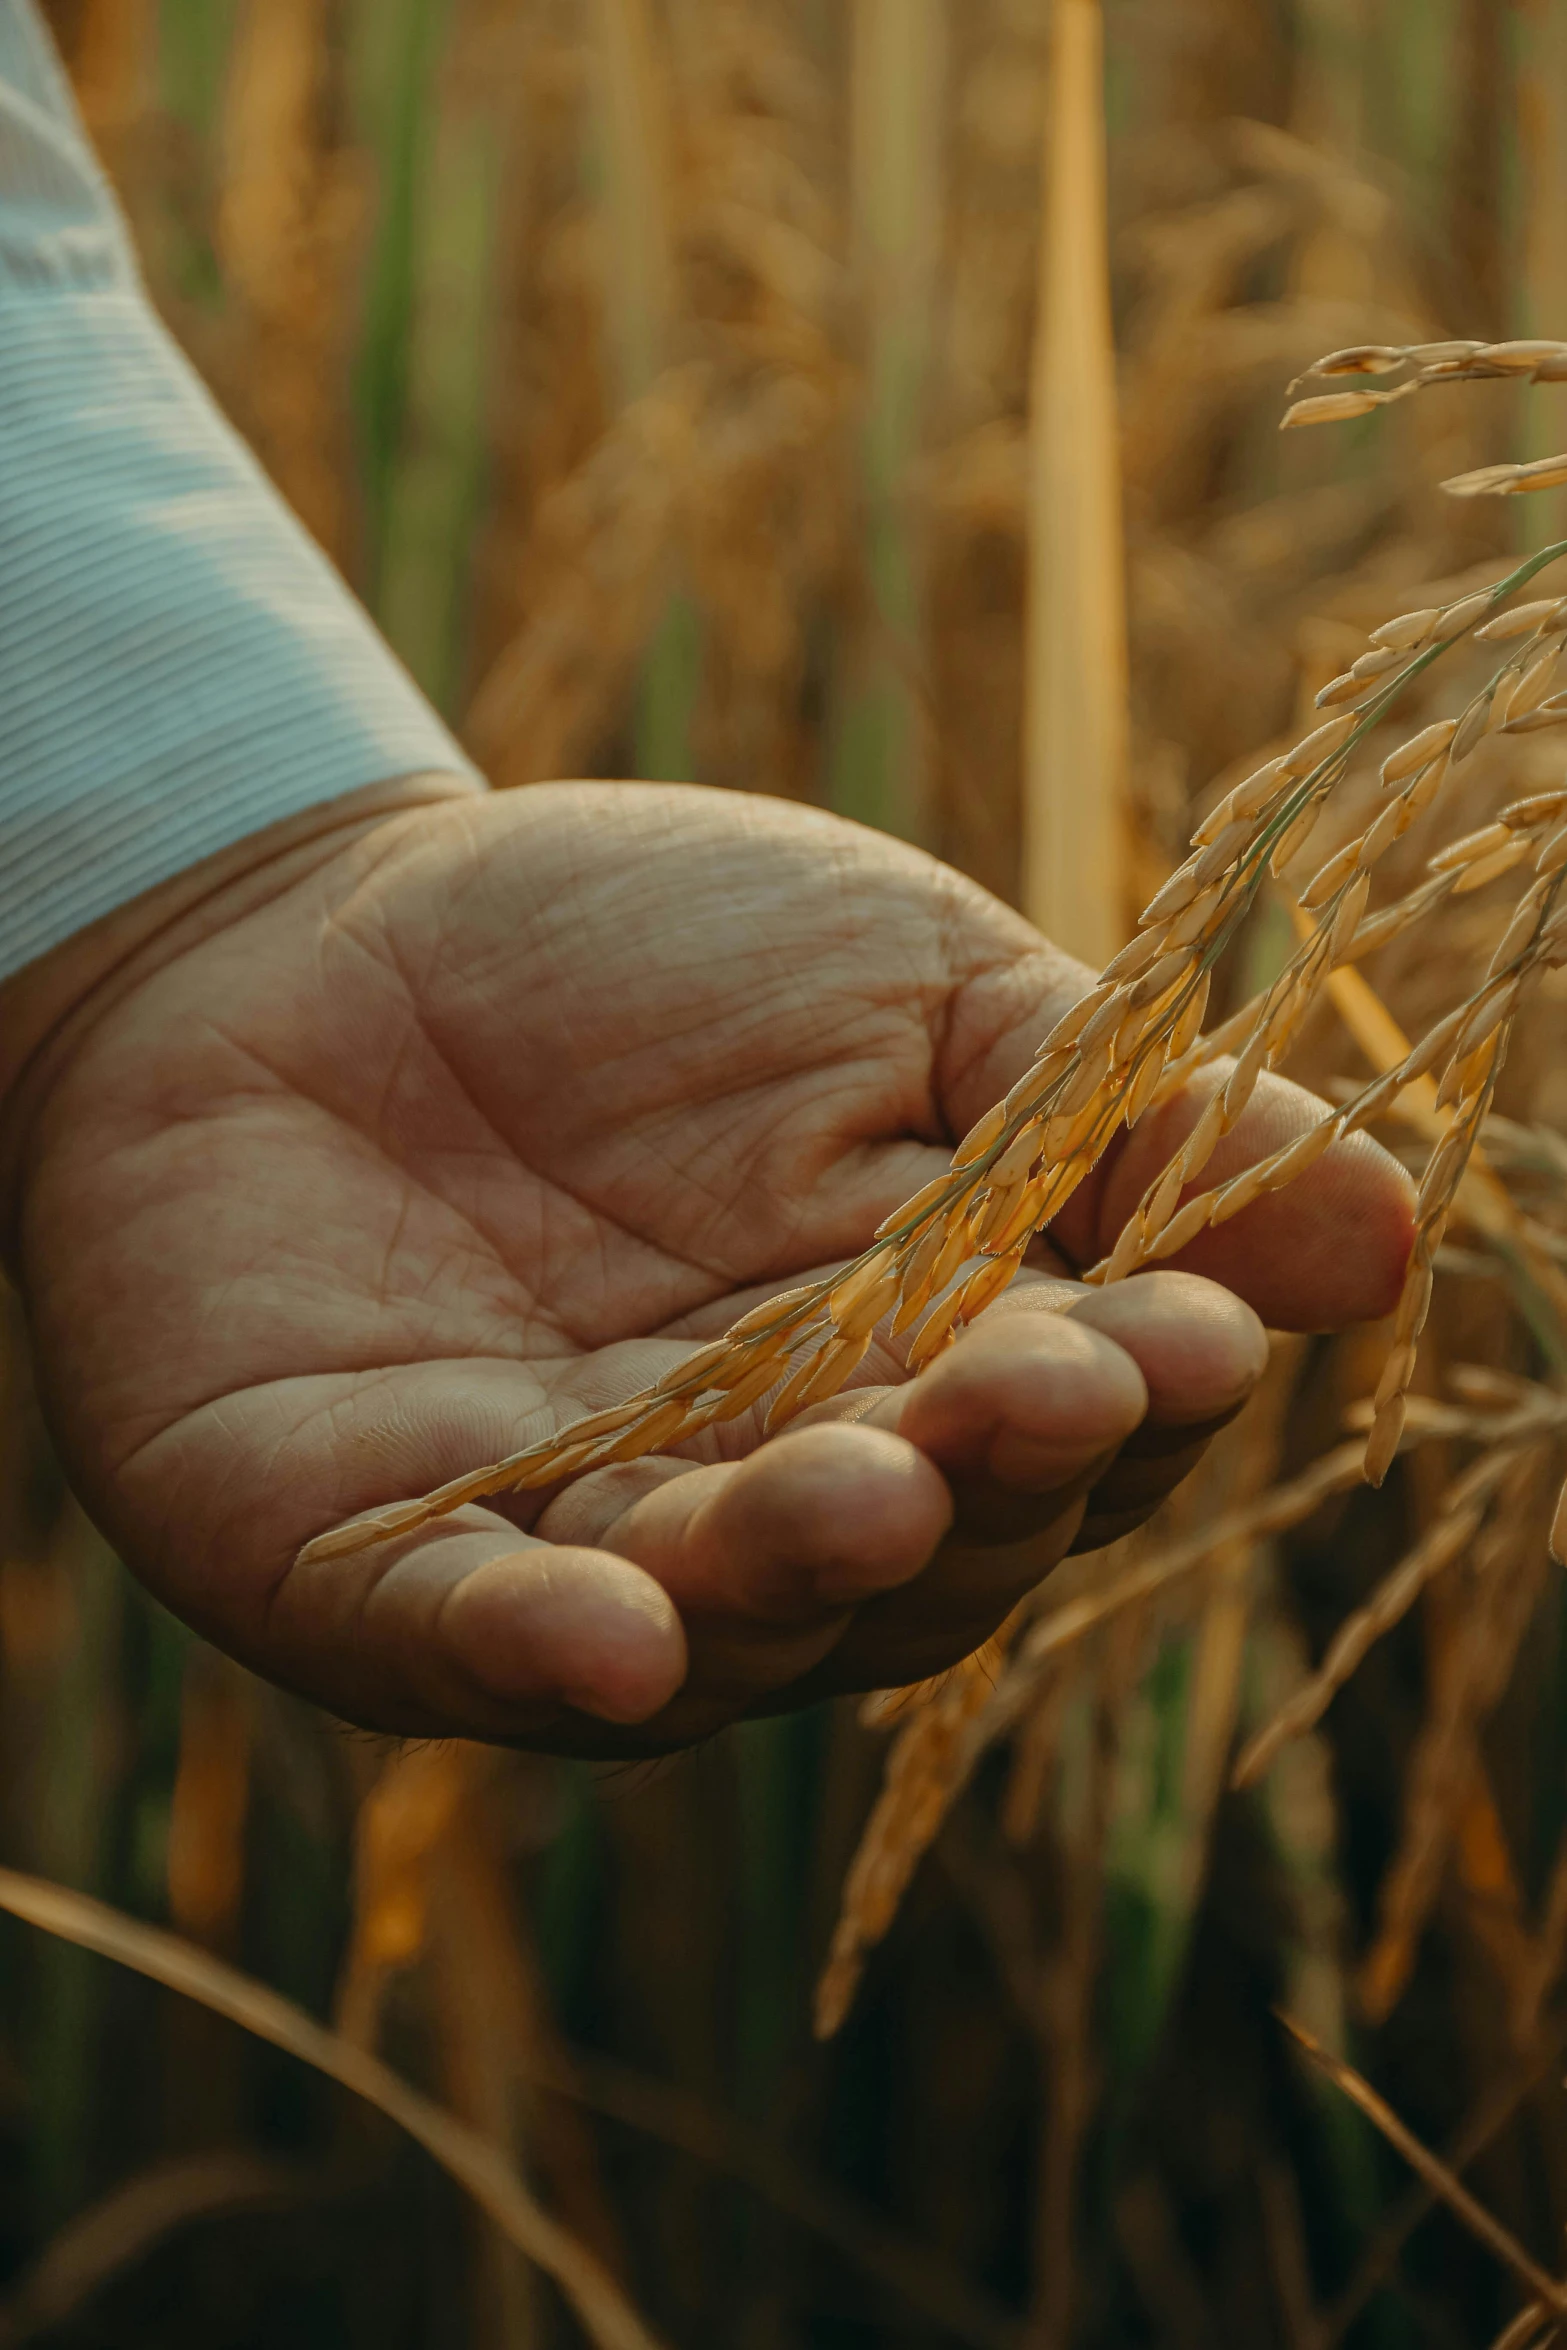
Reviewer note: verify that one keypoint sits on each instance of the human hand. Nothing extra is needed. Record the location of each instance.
(479, 1115)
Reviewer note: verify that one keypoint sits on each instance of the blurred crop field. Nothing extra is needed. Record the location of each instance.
(778, 394)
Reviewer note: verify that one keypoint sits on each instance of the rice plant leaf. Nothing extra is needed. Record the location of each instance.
(472, 2161)
(1431, 2169)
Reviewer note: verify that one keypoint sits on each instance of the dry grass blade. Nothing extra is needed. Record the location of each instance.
(1435, 2173)
(1533, 2326)
(1447, 1798)
(606, 2316)
(1495, 2110)
(130, 2221)
(1463, 1512)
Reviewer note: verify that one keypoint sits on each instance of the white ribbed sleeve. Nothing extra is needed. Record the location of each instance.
(179, 663)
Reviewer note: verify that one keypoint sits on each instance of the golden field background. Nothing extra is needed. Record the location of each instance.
(766, 392)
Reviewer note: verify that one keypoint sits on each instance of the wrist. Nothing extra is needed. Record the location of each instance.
(49, 1005)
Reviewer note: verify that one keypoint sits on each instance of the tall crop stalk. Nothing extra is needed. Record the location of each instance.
(881, 771)
(277, 228)
(1072, 883)
(1331, 106)
(635, 170)
(1477, 231)
(193, 42)
(395, 45)
(432, 499)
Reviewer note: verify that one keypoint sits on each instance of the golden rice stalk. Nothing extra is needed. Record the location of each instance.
(925, 1769)
(1503, 1579)
(1482, 1028)
(1464, 1508)
(1483, 1201)
(1061, 1629)
(1472, 1040)
(1338, 890)
(1532, 2329)
(1128, 1041)
(1456, 361)
(1422, 364)
(1506, 481)
(1076, 691)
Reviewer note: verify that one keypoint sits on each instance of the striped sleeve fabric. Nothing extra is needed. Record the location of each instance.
(179, 664)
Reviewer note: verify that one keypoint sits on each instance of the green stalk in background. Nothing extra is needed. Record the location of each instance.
(395, 47)
(1331, 94)
(431, 491)
(666, 694)
(193, 48)
(195, 38)
(1410, 50)
(631, 167)
(879, 763)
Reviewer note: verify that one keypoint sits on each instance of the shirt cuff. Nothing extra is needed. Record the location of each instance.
(179, 663)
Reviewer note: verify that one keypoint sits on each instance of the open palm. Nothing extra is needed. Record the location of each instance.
(486, 1118)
